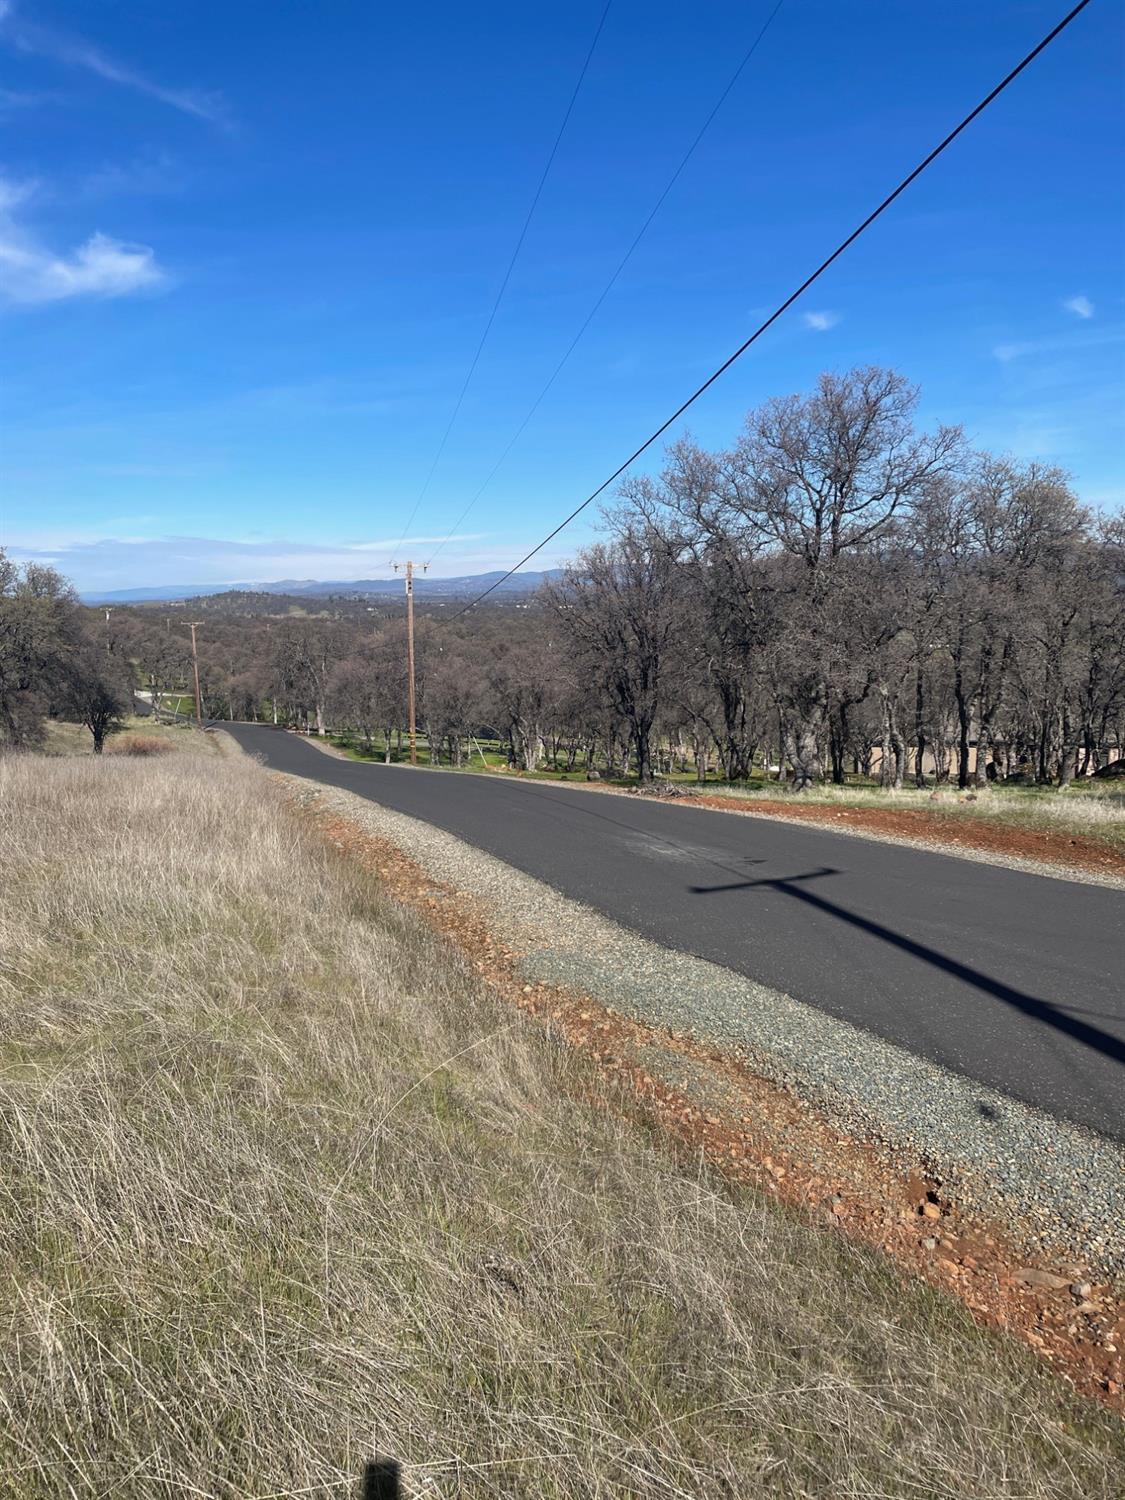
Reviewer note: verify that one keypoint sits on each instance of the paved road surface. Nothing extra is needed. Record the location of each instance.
(1015, 980)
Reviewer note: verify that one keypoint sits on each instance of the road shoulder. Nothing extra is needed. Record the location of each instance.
(1057, 856)
(938, 1172)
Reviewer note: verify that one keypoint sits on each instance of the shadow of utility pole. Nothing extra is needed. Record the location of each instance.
(1055, 1016)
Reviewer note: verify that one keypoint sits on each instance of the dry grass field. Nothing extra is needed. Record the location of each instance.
(283, 1186)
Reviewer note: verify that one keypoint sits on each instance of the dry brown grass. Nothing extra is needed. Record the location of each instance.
(140, 744)
(283, 1186)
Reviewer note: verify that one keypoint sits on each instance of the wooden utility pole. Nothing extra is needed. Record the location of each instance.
(408, 568)
(195, 669)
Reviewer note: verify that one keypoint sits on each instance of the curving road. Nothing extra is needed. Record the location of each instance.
(1014, 980)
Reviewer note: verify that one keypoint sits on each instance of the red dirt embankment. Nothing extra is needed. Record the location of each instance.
(936, 827)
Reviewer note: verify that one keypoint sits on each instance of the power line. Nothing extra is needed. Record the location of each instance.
(788, 303)
(507, 274)
(612, 282)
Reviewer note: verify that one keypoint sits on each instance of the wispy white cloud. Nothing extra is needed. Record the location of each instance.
(1069, 343)
(1081, 306)
(124, 561)
(12, 100)
(75, 52)
(324, 396)
(150, 174)
(13, 193)
(100, 267)
(821, 322)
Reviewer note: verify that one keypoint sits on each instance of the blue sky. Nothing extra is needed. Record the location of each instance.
(247, 250)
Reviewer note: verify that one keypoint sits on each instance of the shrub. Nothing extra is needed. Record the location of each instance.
(139, 744)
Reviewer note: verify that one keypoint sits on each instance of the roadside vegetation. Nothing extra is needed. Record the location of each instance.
(285, 1186)
(840, 595)
(1094, 809)
(132, 734)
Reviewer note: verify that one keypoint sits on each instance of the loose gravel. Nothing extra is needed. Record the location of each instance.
(1061, 1189)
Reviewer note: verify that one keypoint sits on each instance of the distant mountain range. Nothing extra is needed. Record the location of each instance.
(433, 588)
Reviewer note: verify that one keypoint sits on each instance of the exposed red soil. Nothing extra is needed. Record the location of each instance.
(937, 827)
(776, 1143)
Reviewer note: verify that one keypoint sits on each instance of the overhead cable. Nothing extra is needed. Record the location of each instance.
(611, 283)
(507, 275)
(788, 303)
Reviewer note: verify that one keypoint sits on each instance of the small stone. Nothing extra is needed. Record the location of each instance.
(1081, 1290)
(1047, 1280)
(929, 1243)
(931, 1211)
(1089, 1307)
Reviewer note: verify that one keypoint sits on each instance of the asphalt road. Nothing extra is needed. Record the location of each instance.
(1011, 979)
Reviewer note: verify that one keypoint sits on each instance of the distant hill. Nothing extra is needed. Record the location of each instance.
(449, 588)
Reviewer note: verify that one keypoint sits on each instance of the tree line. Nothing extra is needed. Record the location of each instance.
(838, 592)
(840, 587)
